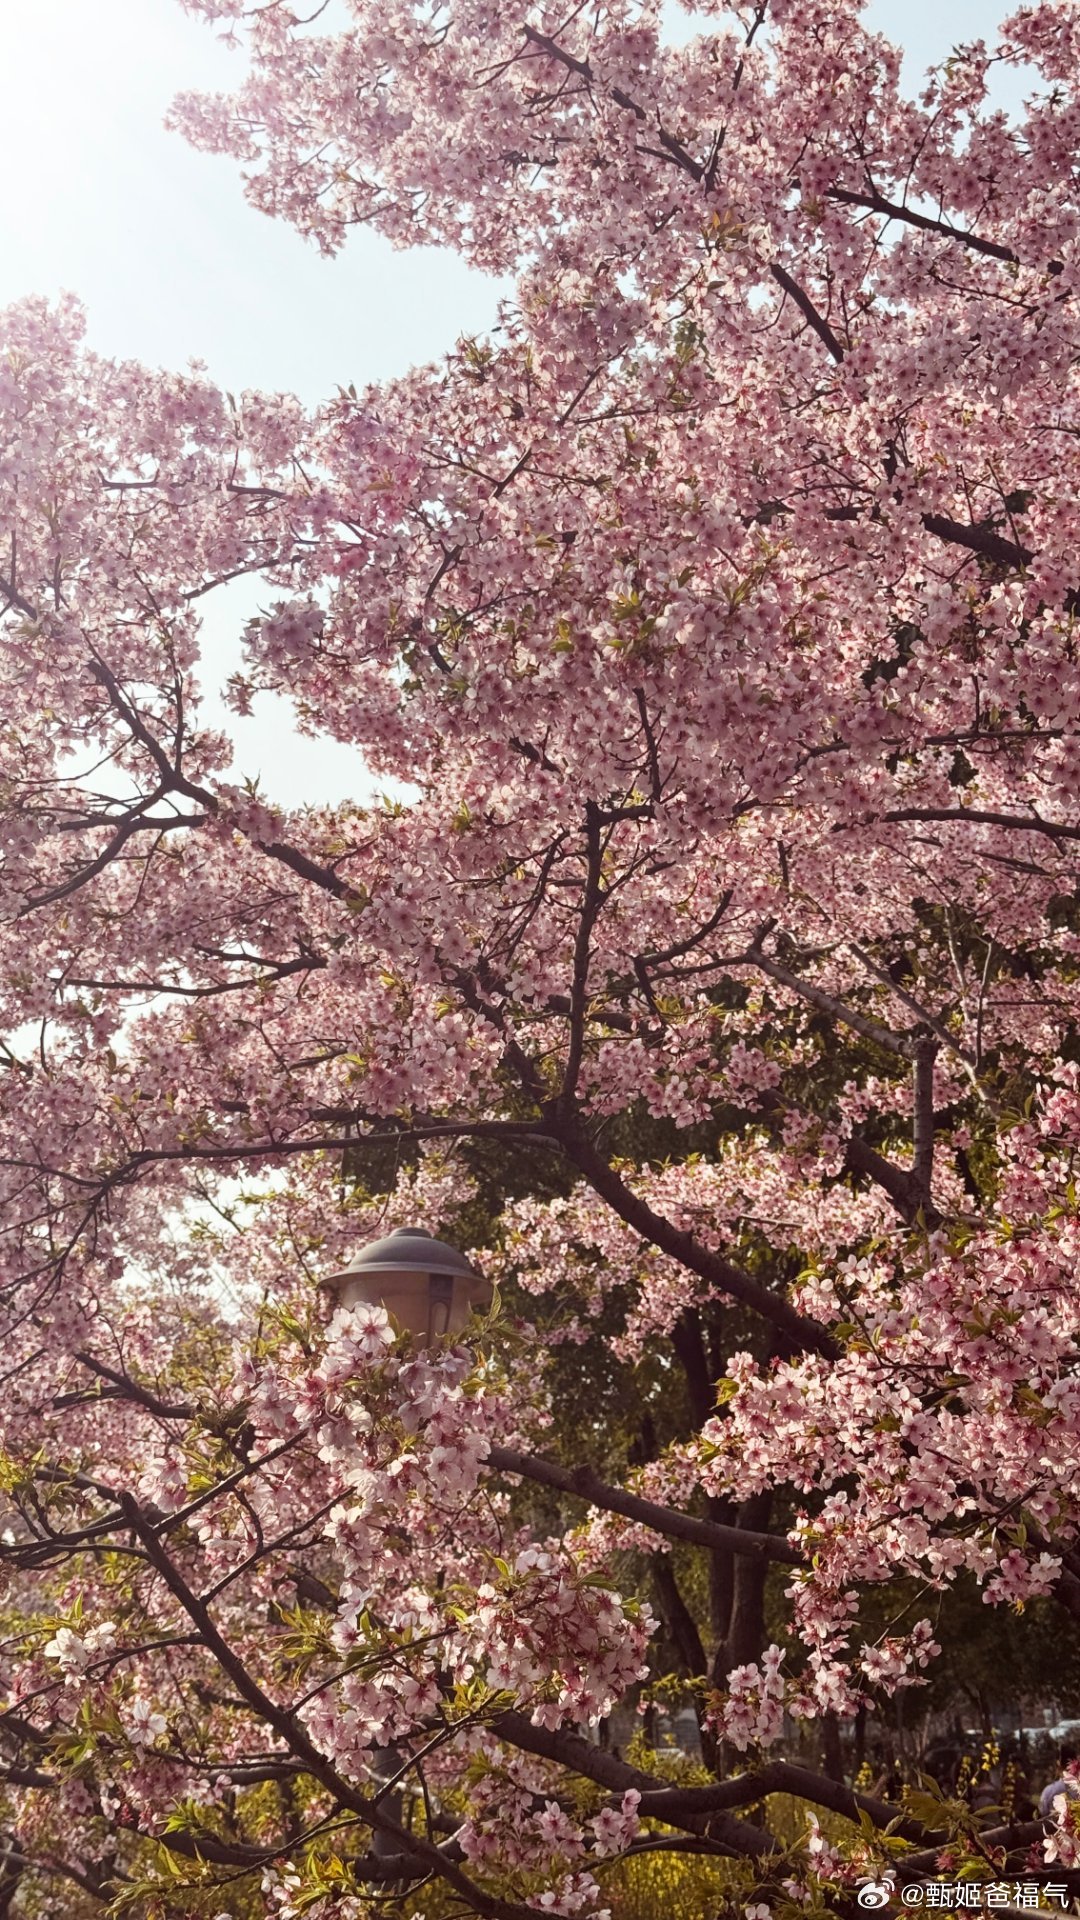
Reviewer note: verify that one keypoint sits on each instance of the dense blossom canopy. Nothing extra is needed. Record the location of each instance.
(716, 982)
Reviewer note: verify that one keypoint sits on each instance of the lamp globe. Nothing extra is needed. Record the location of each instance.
(427, 1285)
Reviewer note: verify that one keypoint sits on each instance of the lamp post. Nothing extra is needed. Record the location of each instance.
(430, 1289)
(426, 1284)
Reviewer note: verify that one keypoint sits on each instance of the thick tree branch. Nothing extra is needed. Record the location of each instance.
(984, 817)
(688, 1340)
(922, 1172)
(801, 1332)
(876, 202)
(896, 1181)
(900, 1043)
(780, 1776)
(676, 1615)
(204, 1845)
(591, 905)
(808, 310)
(585, 1484)
(981, 540)
(130, 1389)
(568, 1749)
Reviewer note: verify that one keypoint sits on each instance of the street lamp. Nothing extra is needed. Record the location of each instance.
(427, 1285)
(430, 1289)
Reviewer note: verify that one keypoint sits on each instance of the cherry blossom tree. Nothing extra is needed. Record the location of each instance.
(718, 615)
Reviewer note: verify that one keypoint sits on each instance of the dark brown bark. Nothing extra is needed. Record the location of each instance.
(744, 1636)
(588, 1485)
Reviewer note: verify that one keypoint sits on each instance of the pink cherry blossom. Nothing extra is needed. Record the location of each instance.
(711, 979)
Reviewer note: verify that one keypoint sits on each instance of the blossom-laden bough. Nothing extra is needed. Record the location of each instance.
(716, 982)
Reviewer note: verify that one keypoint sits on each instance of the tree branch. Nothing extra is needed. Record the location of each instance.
(424, 1857)
(895, 1181)
(676, 1615)
(131, 1389)
(926, 1051)
(876, 203)
(981, 540)
(568, 1749)
(803, 1333)
(592, 902)
(586, 1484)
(901, 1043)
(808, 310)
(984, 817)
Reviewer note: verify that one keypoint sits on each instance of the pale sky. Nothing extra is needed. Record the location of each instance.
(172, 264)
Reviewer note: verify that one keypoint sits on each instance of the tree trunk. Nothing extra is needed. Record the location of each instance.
(832, 1762)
